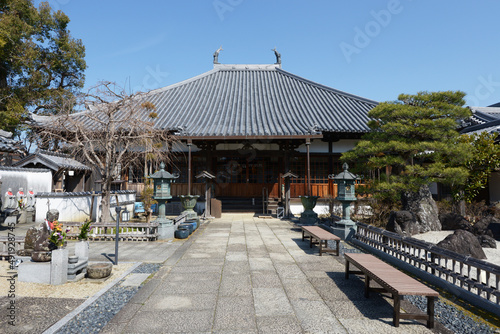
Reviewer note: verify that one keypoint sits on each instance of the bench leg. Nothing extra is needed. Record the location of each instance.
(346, 269)
(321, 247)
(397, 310)
(302, 235)
(367, 286)
(430, 311)
(338, 247)
(310, 241)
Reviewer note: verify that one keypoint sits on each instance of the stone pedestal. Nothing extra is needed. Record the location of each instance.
(345, 229)
(22, 217)
(54, 272)
(30, 215)
(166, 229)
(308, 217)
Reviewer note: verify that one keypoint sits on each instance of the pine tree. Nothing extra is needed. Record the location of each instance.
(413, 142)
(40, 63)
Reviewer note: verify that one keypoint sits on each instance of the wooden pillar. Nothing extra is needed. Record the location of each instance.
(189, 143)
(330, 157)
(308, 143)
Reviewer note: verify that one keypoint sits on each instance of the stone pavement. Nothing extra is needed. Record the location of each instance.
(242, 274)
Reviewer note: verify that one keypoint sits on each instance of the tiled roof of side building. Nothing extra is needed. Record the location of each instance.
(52, 160)
(257, 100)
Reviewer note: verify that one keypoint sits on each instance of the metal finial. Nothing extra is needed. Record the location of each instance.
(345, 166)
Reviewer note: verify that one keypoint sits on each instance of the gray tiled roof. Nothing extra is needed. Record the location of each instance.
(52, 160)
(257, 100)
(10, 145)
(481, 115)
(245, 101)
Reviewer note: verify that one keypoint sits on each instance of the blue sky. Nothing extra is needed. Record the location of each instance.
(374, 49)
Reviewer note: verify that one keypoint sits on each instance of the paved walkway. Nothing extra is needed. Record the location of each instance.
(241, 274)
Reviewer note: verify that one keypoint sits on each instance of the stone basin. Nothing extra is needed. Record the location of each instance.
(99, 270)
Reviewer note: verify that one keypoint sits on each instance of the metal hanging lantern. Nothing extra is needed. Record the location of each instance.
(125, 215)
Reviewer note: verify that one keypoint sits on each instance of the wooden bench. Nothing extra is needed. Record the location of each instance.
(393, 281)
(322, 237)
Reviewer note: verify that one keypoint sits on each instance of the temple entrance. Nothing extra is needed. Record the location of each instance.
(241, 177)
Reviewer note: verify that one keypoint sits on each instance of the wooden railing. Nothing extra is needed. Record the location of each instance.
(476, 276)
(248, 189)
(126, 231)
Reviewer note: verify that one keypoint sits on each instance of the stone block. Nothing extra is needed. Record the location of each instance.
(77, 271)
(166, 231)
(82, 250)
(34, 272)
(59, 266)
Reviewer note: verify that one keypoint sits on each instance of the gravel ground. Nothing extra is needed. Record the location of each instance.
(97, 315)
(452, 318)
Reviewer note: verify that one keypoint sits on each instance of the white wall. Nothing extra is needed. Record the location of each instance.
(319, 146)
(75, 207)
(13, 177)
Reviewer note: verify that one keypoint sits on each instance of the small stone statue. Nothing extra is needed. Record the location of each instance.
(10, 200)
(42, 247)
(30, 199)
(21, 199)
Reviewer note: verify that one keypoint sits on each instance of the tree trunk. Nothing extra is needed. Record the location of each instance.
(105, 202)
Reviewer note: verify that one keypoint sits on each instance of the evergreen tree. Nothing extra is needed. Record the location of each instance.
(413, 142)
(40, 63)
(484, 159)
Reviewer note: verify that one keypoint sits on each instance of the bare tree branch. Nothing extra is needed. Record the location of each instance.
(114, 128)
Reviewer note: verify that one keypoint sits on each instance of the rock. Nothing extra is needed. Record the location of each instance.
(52, 215)
(487, 241)
(99, 270)
(403, 223)
(29, 242)
(495, 229)
(42, 245)
(463, 242)
(454, 221)
(482, 227)
(424, 208)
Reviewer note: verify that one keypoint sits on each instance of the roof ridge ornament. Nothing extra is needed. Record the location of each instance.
(278, 56)
(216, 54)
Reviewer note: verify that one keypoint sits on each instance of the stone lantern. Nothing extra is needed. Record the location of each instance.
(162, 181)
(346, 182)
